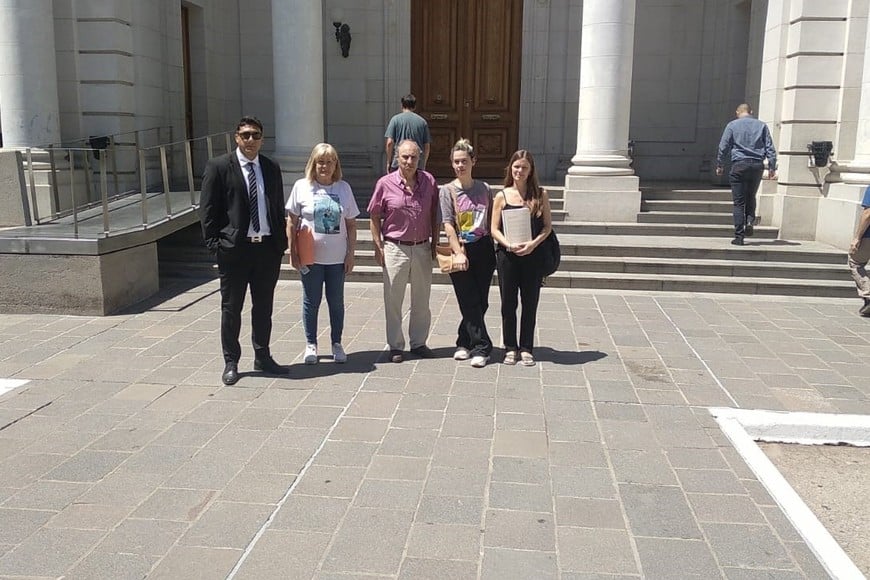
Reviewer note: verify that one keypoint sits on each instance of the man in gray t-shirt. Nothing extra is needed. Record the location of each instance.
(407, 125)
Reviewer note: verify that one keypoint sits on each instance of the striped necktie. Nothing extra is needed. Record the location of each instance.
(252, 199)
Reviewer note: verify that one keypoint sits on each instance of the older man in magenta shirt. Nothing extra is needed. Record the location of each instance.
(403, 212)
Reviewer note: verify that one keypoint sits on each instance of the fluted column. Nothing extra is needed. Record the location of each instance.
(840, 207)
(857, 171)
(28, 73)
(601, 186)
(297, 52)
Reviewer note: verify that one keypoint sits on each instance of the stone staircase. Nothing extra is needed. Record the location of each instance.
(681, 242)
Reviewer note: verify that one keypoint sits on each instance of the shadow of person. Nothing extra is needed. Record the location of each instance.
(567, 357)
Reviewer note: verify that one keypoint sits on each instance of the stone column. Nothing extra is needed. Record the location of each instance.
(297, 52)
(840, 209)
(811, 89)
(28, 74)
(600, 185)
(857, 171)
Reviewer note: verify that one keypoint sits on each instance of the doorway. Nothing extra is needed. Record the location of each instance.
(465, 73)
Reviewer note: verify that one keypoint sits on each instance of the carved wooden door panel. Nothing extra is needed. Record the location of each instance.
(465, 72)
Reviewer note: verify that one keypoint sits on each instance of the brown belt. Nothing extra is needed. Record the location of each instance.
(404, 243)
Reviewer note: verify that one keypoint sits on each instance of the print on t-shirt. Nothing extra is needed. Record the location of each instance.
(327, 215)
(471, 224)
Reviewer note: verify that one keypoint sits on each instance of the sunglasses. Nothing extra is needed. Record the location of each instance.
(249, 135)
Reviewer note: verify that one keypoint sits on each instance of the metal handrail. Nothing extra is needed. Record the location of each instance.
(85, 140)
(80, 159)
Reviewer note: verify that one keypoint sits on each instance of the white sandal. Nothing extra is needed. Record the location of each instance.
(526, 359)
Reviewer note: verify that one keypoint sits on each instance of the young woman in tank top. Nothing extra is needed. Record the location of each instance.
(517, 265)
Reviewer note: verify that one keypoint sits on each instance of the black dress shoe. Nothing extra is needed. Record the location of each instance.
(231, 374)
(737, 241)
(748, 230)
(865, 310)
(268, 365)
(423, 351)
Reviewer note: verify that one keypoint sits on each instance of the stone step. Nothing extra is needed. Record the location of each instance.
(648, 265)
(186, 245)
(701, 267)
(631, 247)
(689, 206)
(659, 229)
(685, 218)
(639, 229)
(595, 280)
(713, 194)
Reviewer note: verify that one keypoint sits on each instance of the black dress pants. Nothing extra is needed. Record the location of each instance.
(518, 274)
(257, 266)
(744, 178)
(472, 294)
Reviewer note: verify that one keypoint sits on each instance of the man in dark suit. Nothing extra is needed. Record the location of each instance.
(242, 215)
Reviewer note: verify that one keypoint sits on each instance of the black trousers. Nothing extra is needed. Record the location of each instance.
(257, 266)
(518, 274)
(472, 294)
(744, 179)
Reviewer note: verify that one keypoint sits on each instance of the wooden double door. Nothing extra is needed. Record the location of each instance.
(465, 73)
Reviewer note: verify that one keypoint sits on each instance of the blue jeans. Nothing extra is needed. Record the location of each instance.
(332, 275)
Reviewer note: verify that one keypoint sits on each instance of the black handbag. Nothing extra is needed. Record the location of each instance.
(550, 254)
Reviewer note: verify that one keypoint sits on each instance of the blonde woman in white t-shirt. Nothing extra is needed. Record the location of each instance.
(324, 203)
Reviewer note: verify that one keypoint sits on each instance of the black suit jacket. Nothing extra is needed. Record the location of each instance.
(224, 208)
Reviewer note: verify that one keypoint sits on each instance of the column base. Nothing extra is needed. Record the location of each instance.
(766, 204)
(839, 211)
(798, 210)
(292, 167)
(603, 198)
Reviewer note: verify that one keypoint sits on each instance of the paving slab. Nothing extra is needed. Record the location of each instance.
(602, 461)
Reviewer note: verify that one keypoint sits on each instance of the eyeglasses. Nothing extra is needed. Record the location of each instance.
(249, 135)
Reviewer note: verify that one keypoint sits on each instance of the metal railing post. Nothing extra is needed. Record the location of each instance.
(88, 176)
(143, 186)
(72, 191)
(114, 164)
(55, 195)
(104, 192)
(32, 184)
(209, 146)
(190, 173)
(163, 169)
(138, 145)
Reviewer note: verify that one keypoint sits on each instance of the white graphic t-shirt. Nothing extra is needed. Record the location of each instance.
(323, 208)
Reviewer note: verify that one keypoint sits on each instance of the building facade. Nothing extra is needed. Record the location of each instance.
(605, 93)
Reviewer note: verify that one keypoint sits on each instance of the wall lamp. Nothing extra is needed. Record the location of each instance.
(342, 32)
(98, 144)
(820, 152)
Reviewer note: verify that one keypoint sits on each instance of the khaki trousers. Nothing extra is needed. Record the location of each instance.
(403, 265)
(858, 267)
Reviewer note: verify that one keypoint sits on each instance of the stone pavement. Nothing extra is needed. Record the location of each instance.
(125, 457)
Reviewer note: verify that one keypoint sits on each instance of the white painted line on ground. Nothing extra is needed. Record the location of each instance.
(697, 355)
(802, 428)
(793, 427)
(7, 385)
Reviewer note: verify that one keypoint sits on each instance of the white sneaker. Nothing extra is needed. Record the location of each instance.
(338, 354)
(310, 354)
(479, 361)
(461, 354)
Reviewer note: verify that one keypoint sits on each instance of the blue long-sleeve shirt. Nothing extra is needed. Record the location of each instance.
(747, 139)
